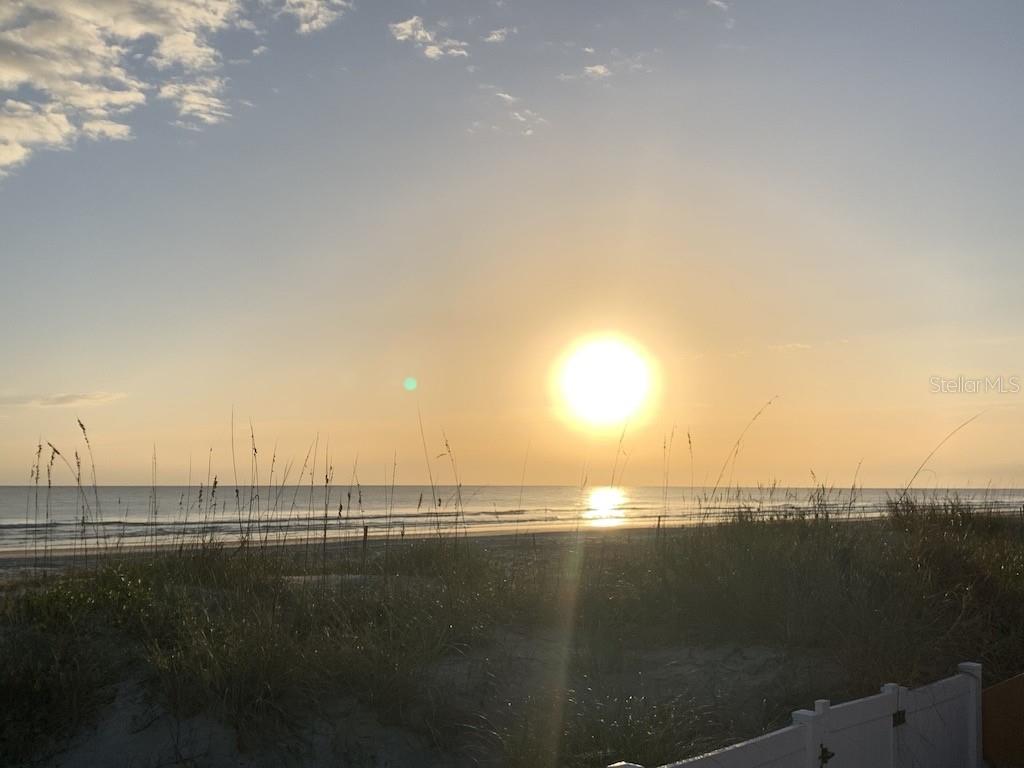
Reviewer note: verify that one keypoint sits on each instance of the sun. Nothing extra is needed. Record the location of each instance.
(603, 381)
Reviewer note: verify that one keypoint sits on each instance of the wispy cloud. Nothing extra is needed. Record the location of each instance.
(477, 126)
(432, 45)
(726, 10)
(66, 400)
(637, 62)
(618, 63)
(76, 69)
(199, 100)
(591, 72)
(508, 98)
(791, 347)
(499, 35)
(314, 15)
(528, 120)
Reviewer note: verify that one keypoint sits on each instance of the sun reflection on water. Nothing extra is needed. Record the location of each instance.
(605, 507)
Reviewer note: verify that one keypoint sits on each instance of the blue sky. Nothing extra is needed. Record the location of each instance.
(286, 208)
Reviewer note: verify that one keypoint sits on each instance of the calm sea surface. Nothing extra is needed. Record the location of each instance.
(128, 515)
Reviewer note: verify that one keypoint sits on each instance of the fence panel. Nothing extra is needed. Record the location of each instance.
(860, 733)
(940, 729)
(784, 748)
(935, 726)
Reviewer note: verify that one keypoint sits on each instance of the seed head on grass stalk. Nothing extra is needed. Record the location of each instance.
(734, 452)
(935, 450)
(98, 512)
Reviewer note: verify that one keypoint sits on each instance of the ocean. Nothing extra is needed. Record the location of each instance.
(126, 515)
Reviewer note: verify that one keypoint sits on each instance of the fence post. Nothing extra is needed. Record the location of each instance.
(974, 745)
(893, 689)
(814, 731)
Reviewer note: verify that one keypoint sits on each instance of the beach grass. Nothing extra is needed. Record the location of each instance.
(263, 638)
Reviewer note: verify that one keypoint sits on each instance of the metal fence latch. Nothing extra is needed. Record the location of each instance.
(899, 717)
(825, 755)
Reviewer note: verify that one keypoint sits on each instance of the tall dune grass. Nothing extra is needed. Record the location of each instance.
(262, 637)
(264, 632)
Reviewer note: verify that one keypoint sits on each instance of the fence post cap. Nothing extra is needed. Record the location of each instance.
(803, 715)
(971, 668)
(622, 764)
(821, 706)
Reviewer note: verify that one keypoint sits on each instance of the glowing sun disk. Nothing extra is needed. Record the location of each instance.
(604, 381)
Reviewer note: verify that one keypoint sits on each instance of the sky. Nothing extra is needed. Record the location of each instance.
(275, 211)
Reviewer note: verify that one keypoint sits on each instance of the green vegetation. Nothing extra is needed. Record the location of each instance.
(263, 638)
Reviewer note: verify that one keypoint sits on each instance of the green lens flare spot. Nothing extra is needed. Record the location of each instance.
(410, 383)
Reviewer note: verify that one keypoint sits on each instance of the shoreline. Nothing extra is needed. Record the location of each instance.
(17, 564)
(64, 558)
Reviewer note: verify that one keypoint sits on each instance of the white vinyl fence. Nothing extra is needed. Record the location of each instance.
(935, 726)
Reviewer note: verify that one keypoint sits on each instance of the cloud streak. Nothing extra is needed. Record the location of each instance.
(76, 69)
(64, 400)
(592, 72)
(790, 347)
